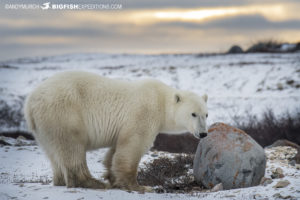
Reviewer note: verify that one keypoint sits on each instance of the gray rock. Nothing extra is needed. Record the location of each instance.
(4, 143)
(229, 156)
(292, 162)
(280, 86)
(235, 49)
(266, 181)
(278, 173)
(279, 196)
(281, 184)
(21, 137)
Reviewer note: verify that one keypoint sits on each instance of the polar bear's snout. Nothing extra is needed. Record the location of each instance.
(201, 130)
(202, 135)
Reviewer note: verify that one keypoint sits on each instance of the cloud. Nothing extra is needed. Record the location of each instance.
(147, 27)
(87, 31)
(236, 23)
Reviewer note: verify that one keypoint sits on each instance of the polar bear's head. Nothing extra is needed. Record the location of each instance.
(190, 113)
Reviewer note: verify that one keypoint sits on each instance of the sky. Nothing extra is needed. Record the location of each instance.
(143, 26)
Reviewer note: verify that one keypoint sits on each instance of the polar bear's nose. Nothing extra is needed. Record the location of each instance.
(203, 135)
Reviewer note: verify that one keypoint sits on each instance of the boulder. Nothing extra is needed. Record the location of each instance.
(235, 49)
(229, 156)
(295, 159)
(281, 184)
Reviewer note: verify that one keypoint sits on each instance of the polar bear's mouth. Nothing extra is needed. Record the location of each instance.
(200, 135)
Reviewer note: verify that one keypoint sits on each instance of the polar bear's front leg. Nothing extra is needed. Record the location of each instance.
(129, 151)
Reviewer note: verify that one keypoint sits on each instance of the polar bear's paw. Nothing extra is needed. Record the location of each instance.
(133, 187)
(144, 189)
(110, 177)
(87, 183)
(59, 180)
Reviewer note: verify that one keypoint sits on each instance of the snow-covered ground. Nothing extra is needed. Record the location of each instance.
(234, 83)
(26, 174)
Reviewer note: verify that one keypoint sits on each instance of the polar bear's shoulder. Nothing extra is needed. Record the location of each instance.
(77, 75)
(150, 82)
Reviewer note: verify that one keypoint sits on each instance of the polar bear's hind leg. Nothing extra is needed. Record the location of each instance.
(73, 165)
(58, 176)
(108, 164)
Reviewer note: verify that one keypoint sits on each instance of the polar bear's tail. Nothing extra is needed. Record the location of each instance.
(28, 115)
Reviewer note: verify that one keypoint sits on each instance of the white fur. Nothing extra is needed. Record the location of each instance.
(73, 112)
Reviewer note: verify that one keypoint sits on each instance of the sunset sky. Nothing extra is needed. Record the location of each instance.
(146, 26)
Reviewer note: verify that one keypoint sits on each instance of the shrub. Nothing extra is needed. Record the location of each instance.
(270, 128)
(265, 46)
(11, 115)
(171, 175)
(183, 143)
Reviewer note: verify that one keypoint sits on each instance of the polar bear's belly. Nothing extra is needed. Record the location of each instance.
(102, 130)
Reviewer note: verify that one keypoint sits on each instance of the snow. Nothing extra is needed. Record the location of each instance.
(235, 84)
(26, 174)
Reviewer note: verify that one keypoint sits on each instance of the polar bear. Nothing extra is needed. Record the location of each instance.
(74, 112)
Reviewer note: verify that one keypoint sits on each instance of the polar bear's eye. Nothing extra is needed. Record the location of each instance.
(194, 115)
(206, 115)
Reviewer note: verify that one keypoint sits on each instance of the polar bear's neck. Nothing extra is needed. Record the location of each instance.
(169, 124)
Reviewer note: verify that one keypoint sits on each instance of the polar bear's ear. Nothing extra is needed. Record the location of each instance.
(177, 98)
(205, 97)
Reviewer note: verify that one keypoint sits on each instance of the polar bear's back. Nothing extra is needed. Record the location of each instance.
(78, 83)
(73, 89)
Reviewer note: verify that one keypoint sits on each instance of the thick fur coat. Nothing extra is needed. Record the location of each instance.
(73, 112)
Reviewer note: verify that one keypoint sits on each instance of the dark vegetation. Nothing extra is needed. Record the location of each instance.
(274, 131)
(4, 143)
(266, 46)
(170, 175)
(16, 134)
(269, 46)
(44, 180)
(10, 117)
(183, 143)
(8, 67)
(270, 128)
